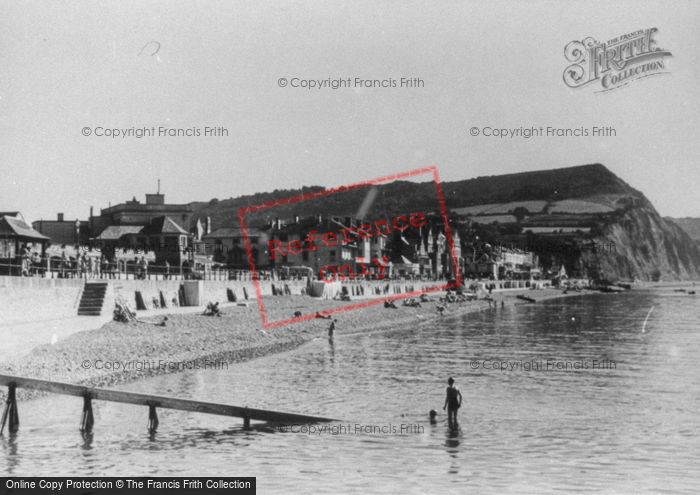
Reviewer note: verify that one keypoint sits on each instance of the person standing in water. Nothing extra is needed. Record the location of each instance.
(453, 401)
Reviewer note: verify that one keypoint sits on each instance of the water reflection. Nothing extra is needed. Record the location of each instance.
(87, 440)
(11, 451)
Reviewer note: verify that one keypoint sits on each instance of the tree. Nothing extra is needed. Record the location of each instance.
(520, 213)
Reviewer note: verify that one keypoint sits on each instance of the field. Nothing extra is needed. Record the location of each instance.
(579, 206)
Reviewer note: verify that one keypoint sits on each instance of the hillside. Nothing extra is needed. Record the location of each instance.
(589, 202)
(691, 226)
(585, 181)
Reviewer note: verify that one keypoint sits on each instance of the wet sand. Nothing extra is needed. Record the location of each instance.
(122, 352)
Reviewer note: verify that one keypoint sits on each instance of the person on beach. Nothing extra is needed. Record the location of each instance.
(64, 264)
(331, 329)
(453, 401)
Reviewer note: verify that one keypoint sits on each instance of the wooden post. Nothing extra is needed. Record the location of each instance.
(152, 419)
(87, 420)
(10, 410)
(246, 419)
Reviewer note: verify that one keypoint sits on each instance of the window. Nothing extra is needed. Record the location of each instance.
(7, 248)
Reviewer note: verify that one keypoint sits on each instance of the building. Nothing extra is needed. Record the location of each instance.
(161, 236)
(325, 257)
(154, 228)
(501, 263)
(18, 241)
(136, 213)
(227, 245)
(63, 232)
(430, 253)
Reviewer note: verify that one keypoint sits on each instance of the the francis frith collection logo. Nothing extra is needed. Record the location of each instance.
(616, 62)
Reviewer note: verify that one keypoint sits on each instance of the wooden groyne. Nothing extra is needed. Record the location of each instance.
(151, 401)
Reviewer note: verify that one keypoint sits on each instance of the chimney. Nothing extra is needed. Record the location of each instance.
(60, 217)
(208, 226)
(278, 223)
(91, 211)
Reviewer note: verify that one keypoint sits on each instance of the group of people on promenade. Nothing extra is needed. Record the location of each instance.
(31, 262)
(89, 266)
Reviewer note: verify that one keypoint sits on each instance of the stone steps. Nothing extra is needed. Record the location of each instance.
(92, 299)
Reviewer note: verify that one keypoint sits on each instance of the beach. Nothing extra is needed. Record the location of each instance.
(122, 352)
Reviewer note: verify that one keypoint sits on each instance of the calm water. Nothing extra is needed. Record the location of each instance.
(630, 428)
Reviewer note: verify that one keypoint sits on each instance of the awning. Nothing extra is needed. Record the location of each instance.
(16, 227)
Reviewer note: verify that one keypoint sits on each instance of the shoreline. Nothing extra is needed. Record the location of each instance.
(118, 353)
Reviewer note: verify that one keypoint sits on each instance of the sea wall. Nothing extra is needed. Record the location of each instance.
(33, 299)
(210, 290)
(27, 299)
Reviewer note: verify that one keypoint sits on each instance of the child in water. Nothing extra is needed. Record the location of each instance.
(433, 417)
(453, 401)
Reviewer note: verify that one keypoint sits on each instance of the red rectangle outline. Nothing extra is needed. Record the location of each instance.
(242, 212)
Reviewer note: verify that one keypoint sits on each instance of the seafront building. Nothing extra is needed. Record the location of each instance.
(226, 245)
(64, 232)
(20, 244)
(501, 262)
(322, 256)
(173, 235)
(155, 227)
(134, 212)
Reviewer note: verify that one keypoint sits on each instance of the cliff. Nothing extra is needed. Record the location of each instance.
(646, 247)
(691, 226)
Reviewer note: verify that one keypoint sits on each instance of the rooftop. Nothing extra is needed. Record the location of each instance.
(159, 225)
(11, 225)
(115, 232)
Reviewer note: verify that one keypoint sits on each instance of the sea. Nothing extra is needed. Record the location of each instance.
(592, 394)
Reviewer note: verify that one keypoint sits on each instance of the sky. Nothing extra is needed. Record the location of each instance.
(72, 66)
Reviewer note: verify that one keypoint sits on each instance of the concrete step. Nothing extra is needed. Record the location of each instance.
(92, 299)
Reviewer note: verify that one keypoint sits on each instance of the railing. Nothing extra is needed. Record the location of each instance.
(120, 270)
